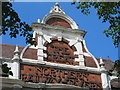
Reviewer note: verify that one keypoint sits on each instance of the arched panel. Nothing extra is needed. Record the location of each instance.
(60, 52)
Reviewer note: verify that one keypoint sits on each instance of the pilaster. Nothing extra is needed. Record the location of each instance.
(40, 48)
(15, 66)
(104, 76)
(79, 52)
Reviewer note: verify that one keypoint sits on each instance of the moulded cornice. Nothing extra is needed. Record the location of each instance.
(17, 83)
(61, 66)
(62, 16)
(41, 26)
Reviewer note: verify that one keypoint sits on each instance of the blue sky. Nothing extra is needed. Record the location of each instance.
(97, 43)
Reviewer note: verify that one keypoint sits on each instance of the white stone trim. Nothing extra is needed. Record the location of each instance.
(56, 8)
(72, 42)
(15, 68)
(79, 52)
(61, 66)
(47, 38)
(18, 84)
(68, 33)
(3, 59)
(109, 82)
(105, 83)
(44, 48)
(29, 60)
(38, 20)
(113, 77)
(76, 53)
(34, 34)
(34, 47)
(10, 83)
(63, 86)
(86, 54)
(24, 50)
(104, 78)
(38, 31)
(40, 48)
(62, 16)
(34, 37)
(91, 54)
(45, 55)
(15, 65)
(59, 38)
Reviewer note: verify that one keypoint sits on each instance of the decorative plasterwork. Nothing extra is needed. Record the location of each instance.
(61, 66)
(62, 16)
(74, 37)
(79, 52)
(42, 29)
(57, 12)
(16, 56)
(56, 9)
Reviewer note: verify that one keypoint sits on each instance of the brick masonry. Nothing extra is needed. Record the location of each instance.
(58, 22)
(45, 74)
(60, 52)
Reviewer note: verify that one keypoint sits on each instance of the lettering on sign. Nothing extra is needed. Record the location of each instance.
(60, 52)
(40, 74)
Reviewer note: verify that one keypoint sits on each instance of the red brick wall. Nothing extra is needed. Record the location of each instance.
(60, 52)
(58, 22)
(44, 74)
(36, 39)
(89, 62)
(30, 54)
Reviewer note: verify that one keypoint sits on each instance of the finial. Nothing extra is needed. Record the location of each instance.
(16, 49)
(56, 9)
(16, 54)
(57, 4)
(101, 62)
(38, 20)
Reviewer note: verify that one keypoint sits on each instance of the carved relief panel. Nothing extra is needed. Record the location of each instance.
(41, 74)
(60, 52)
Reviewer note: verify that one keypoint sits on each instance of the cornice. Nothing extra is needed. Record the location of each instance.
(41, 26)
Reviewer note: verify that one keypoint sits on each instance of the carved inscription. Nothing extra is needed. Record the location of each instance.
(54, 75)
(60, 52)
